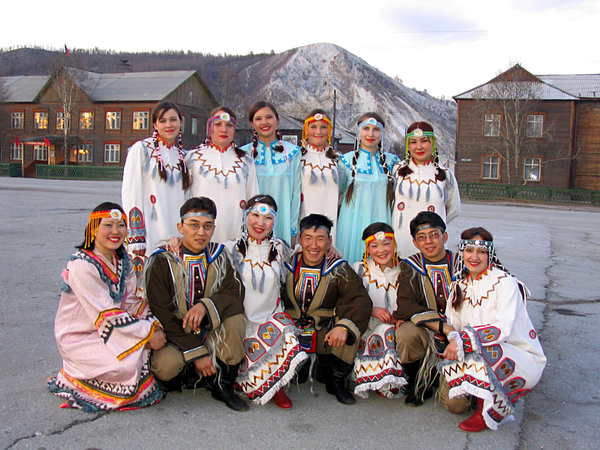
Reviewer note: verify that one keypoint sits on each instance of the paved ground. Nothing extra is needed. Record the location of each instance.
(554, 250)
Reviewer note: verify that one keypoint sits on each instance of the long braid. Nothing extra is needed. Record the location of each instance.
(279, 146)
(390, 186)
(254, 144)
(332, 154)
(162, 172)
(350, 189)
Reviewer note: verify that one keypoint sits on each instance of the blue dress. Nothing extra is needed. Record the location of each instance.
(368, 203)
(279, 176)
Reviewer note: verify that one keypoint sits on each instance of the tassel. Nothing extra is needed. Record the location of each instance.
(253, 278)
(201, 170)
(237, 178)
(154, 172)
(440, 191)
(427, 193)
(153, 213)
(410, 191)
(400, 191)
(387, 299)
(400, 220)
(205, 173)
(323, 177)
(418, 192)
(335, 174)
(225, 182)
(218, 179)
(261, 286)
(313, 177)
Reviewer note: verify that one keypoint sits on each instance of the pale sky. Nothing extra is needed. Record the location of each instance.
(444, 46)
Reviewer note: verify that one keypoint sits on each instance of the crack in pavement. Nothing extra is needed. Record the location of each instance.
(59, 431)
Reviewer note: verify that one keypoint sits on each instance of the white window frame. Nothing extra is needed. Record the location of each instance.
(492, 163)
(85, 153)
(491, 124)
(40, 120)
(40, 153)
(17, 120)
(194, 129)
(16, 151)
(112, 153)
(113, 120)
(535, 125)
(532, 169)
(182, 124)
(141, 120)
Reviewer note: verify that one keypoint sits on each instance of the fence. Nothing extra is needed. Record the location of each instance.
(10, 170)
(530, 193)
(79, 172)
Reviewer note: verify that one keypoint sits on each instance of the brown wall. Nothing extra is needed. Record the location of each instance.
(587, 146)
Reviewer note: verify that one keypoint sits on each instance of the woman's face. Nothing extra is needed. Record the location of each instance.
(370, 137)
(260, 225)
(420, 149)
(265, 123)
(476, 259)
(168, 126)
(318, 133)
(223, 132)
(381, 252)
(110, 235)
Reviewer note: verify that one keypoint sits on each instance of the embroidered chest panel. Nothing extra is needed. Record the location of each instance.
(196, 267)
(207, 166)
(477, 301)
(307, 281)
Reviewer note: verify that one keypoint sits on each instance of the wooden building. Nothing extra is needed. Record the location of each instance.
(108, 113)
(520, 128)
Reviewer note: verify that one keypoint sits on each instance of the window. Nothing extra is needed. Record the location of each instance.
(84, 153)
(113, 120)
(16, 151)
(61, 121)
(40, 152)
(291, 138)
(532, 169)
(86, 120)
(17, 120)
(112, 153)
(194, 126)
(140, 120)
(40, 120)
(182, 124)
(491, 168)
(535, 125)
(491, 125)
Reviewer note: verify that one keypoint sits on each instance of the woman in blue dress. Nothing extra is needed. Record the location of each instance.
(277, 167)
(367, 184)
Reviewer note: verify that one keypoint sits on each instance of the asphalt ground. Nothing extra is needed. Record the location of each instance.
(554, 250)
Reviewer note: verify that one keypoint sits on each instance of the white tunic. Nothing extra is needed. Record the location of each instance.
(228, 180)
(421, 191)
(151, 204)
(320, 186)
(381, 285)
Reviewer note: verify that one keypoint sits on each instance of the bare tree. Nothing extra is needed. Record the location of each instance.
(227, 90)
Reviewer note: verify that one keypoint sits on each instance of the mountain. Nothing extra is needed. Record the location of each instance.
(304, 78)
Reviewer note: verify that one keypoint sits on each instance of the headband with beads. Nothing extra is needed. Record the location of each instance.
(488, 246)
(220, 116)
(417, 132)
(262, 209)
(370, 121)
(380, 236)
(316, 118)
(94, 222)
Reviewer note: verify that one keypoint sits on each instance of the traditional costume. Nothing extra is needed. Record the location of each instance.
(377, 365)
(368, 203)
(421, 191)
(320, 179)
(228, 180)
(501, 358)
(101, 330)
(151, 203)
(278, 175)
(271, 346)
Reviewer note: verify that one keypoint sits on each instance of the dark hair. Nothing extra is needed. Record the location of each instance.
(242, 243)
(106, 206)
(238, 151)
(253, 110)
(382, 161)
(376, 228)
(426, 218)
(330, 153)
(404, 170)
(157, 114)
(203, 204)
(315, 221)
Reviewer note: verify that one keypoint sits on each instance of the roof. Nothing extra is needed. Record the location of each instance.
(545, 87)
(24, 88)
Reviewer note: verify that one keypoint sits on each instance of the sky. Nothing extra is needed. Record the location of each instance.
(444, 46)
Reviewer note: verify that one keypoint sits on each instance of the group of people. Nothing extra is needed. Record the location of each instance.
(319, 266)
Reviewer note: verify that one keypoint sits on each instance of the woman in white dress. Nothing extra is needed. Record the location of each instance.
(496, 356)
(271, 346)
(223, 172)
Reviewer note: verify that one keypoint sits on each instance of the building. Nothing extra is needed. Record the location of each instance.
(520, 128)
(92, 118)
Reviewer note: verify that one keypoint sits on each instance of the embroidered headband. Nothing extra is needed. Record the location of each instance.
(370, 121)
(316, 118)
(488, 246)
(197, 214)
(94, 222)
(220, 116)
(417, 132)
(426, 226)
(380, 236)
(263, 209)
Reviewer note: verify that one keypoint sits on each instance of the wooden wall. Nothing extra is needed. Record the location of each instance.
(587, 144)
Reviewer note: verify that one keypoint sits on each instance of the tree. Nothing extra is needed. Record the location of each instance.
(505, 105)
(227, 90)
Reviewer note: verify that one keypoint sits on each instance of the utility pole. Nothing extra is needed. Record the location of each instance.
(334, 113)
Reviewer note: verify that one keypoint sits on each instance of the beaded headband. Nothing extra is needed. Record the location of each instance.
(417, 132)
(94, 222)
(370, 121)
(316, 118)
(221, 116)
(197, 214)
(488, 246)
(263, 209)
(380, 236)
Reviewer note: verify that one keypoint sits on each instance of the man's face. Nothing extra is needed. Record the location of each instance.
(315, 242)
(430, 241)
(197, 232)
